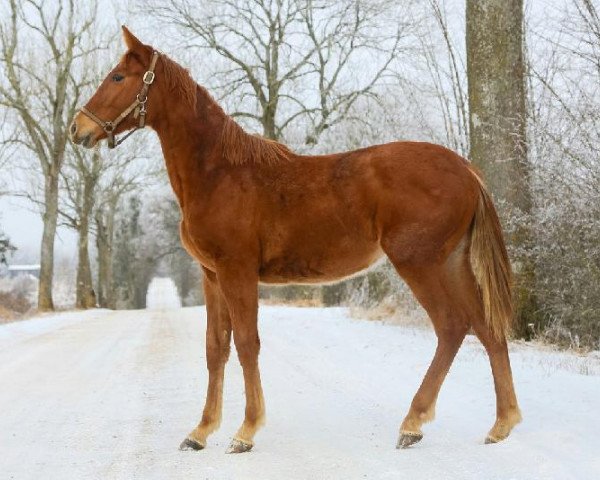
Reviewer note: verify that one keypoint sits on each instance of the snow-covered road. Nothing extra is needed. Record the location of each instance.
(110, 395)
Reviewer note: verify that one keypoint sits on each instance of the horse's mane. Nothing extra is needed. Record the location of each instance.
(179, 80)
(238, 146)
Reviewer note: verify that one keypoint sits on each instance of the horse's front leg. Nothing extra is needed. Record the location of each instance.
(218, 339)
(239, 285)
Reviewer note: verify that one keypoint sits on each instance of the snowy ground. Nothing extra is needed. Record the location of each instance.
(162, 293)
(110, 395)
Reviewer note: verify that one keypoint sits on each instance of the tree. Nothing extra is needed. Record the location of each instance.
(133, 265)
(43, 101)
(109, 196)
(139, 245)
(497, 125)
(5, 247)
(104, 220)
(272, 50)
(80, 178)
(564, 121)
(6, 149)
(93, 183)
(164, 214)
(448, 76)
(125, 172)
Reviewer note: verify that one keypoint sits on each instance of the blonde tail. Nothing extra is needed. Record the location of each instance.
(491, 265)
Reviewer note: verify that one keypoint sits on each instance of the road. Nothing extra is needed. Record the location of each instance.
(110, 395)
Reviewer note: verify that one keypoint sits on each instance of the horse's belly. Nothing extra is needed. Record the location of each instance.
(325, 266)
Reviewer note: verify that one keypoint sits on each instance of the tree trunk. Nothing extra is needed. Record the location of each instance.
(103, 259)
(104, 243)
(268, 122)
(85, 296)
(497, 121)
(50, 217)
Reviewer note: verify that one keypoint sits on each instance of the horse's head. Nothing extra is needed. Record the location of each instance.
(119, 104)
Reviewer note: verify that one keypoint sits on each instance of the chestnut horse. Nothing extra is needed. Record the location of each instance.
(253, 211)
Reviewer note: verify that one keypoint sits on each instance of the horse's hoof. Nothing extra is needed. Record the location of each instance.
(489, 440)
(495, 437)
(408, 439)
(191, 444)
(239, 446)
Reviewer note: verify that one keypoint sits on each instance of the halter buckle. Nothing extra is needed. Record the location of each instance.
(148, 77)
(108, 127)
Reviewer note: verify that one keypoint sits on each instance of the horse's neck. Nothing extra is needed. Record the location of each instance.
(191, 142)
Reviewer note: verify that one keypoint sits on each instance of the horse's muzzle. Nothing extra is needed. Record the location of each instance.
(81, 135)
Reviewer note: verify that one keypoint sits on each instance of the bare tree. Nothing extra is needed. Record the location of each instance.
(447, 71)
(42, 50)
(6, 149)
(496, 76)
(566, 89)
(288, 61)
(104, 222)
(564, 121)
(124, 173)
(80, 178)
(5, 247)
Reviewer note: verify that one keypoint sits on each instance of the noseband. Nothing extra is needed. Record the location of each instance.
(138, 107)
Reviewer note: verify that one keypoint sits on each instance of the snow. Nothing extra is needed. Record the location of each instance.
(110, 395)
(23, 267)
(162, 293)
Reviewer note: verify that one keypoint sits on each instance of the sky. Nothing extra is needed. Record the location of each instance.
(24, 228)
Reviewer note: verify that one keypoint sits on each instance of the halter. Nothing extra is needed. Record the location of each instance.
(139, 105)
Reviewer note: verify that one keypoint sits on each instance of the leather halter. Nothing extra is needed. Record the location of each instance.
(138, 107)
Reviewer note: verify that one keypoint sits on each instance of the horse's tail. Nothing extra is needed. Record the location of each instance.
(491, 265)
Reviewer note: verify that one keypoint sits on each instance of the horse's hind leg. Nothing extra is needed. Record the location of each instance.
(442, 291)
(218, 339)
(507, 408)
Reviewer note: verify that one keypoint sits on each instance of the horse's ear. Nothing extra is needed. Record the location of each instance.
(131, 40)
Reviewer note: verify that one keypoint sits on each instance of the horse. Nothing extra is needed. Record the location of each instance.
(253, 211)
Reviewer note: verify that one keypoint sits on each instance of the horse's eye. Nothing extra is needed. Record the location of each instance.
(117, 77)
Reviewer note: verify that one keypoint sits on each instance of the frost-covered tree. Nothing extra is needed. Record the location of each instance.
(564, 141)
(132, 264)
(497, 125)
(286, 62)
(125, 172)
(79, 181)
(164, 214)
(43, 47)
(5, 247)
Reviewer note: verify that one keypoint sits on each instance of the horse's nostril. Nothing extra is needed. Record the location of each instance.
(73, 128)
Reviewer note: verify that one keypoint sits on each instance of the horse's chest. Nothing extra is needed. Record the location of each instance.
(201, 248)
